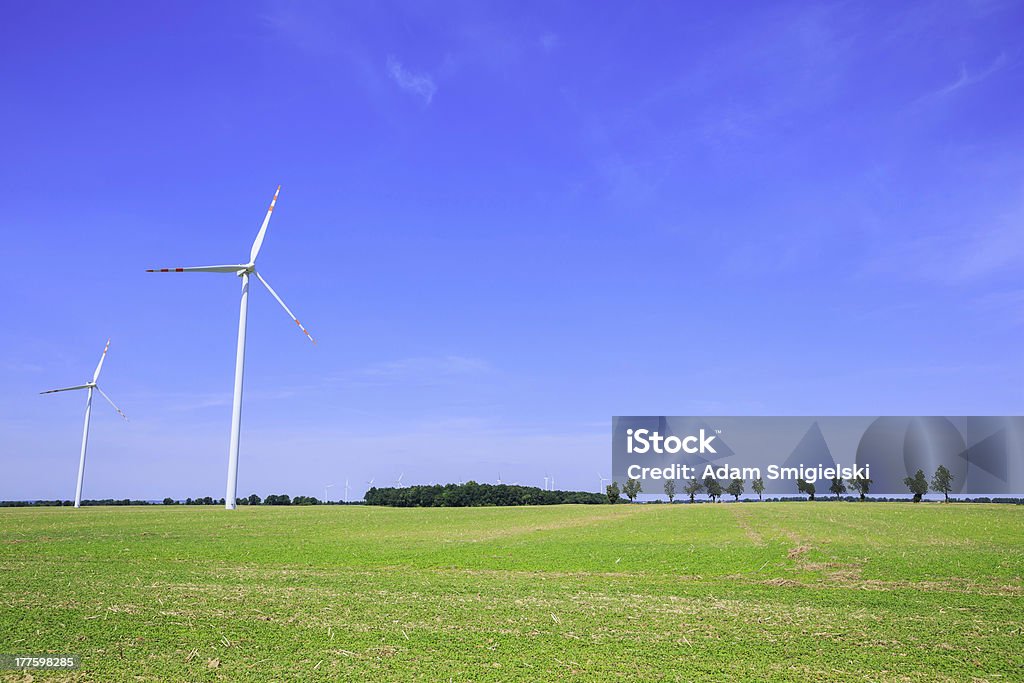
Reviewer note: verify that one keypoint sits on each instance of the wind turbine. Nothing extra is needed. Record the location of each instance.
(242, 270)
(329, 486)
(398, 482)
(88, 411)
(346, 490)
(603, 480)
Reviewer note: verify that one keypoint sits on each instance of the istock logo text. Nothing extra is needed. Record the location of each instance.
(644, 441)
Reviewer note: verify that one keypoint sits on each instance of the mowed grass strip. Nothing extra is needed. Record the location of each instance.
(779, 591)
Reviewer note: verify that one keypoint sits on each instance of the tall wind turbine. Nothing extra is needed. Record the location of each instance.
(603, 480)
(88, 412)
(242, 270)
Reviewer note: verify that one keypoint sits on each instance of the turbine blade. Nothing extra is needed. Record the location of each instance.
(99, 365)
(54, 391)
(258, 242)
(199, 269)
(284, 306)
(112, 404)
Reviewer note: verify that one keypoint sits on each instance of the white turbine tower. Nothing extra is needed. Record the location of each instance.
(327, 488)
(88, 412)
(603, 480)
(398, 482)
(242, 270)
(346, 490)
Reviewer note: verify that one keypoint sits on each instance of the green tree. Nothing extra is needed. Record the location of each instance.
(692, 488)
(942, 482)
(804, 486)
(736, 488)
(169, 501)
(255, 500)
(631, 489)
(837, 487)
(917, 484)
(758, 487)
(670, 489)
(612, 491)
(713, 488)
(861, 485)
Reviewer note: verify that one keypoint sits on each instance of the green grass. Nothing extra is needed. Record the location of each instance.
(781, 591)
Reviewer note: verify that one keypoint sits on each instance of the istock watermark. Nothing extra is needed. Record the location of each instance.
(982, 455)
(21, 662)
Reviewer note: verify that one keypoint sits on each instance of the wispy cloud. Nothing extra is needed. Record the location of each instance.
(971, 253)
(421, 85)
(967, 78)
(445, 365)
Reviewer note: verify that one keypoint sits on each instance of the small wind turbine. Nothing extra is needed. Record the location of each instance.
(242, 270)
(398, 482)
(346, 490)
(329, 486)
(545, 483)
(88, 411)
(603, 480)
(499, 478)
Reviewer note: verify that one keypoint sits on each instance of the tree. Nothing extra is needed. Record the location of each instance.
(942, 482)
(255, 500)
(692, 488)
(837, 487)
(612, 491)
(917, 484)
(631, 488)
(736, 488)
(670, 489)
(169, 501)
(713, 488)
(861, 485)
(804, 486)
(758, 487)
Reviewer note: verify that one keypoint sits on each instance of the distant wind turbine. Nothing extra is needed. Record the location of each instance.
(329, 486)
(603, 480)
(88, 412)
(346, 490)
(242, 270)
(398, 482)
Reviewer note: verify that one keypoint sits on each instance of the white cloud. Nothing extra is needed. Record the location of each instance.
(967, 78)
(421, 85)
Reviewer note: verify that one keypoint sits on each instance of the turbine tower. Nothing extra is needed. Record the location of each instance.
(242, 270)
(88, 412)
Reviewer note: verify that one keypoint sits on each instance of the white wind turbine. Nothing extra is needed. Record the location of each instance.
(88, 412)
(326, 489)
(242, 270)
(603, 480)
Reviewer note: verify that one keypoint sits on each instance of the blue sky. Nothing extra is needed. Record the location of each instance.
(503, 223)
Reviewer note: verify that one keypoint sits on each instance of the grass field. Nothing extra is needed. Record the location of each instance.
(780, 591)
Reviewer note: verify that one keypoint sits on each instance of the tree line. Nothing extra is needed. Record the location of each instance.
(472, 494)
(918, 485)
